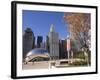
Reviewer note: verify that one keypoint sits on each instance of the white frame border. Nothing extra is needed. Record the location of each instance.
(21, 72)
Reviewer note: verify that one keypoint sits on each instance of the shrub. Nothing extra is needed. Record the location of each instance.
(79, 63)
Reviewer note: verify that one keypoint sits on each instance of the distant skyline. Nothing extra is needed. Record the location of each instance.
(41, 21)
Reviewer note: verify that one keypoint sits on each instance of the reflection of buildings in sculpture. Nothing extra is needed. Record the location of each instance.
(37, 54)
(28, 41)
(62, 49)
(54, 43)
(39, 41)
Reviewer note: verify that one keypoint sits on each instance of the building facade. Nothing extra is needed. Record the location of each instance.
(62, 49)
(54, 43)
(39, 41)
(28, 41)
(47, 44)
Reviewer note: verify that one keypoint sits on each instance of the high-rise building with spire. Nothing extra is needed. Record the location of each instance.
(54, 43)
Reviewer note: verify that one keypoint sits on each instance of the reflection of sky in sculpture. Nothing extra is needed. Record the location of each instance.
(38, 51)
(40, 22)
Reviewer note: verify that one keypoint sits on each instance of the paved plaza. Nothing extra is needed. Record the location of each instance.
(49, 64)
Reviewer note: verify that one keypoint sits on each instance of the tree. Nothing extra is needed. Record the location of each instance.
(79, 27)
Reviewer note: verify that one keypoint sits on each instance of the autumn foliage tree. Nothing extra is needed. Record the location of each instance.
(79, 27)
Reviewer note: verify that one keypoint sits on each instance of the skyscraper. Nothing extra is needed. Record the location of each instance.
(39, 41)
(33, 42)
(47, 44)
(54, 43)
(62, 49)
(28, 41)
(43, 45)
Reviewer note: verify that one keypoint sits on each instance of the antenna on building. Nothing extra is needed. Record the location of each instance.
(52, 28)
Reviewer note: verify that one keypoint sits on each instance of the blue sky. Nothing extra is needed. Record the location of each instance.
(40, 23)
